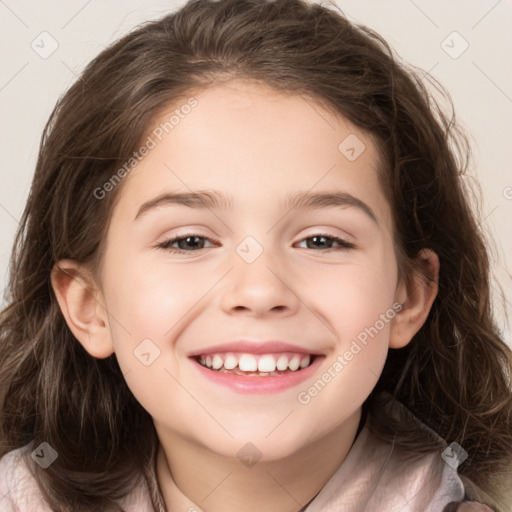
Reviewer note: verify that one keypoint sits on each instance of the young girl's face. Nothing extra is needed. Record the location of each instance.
(259, 267)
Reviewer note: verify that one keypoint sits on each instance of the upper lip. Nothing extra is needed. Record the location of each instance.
(253, 347)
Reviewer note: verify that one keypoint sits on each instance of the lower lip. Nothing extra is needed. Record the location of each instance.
(261, 385)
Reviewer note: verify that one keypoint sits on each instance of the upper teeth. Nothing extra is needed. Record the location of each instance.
(252, 363)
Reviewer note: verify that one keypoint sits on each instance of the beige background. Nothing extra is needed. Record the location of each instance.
(479, 80)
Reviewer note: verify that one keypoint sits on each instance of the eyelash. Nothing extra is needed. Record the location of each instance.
(166, 245)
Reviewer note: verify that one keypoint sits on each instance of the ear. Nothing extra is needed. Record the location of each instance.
(82, 305)
(416, 299)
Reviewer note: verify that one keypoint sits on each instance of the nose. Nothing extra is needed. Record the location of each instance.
(262, 287)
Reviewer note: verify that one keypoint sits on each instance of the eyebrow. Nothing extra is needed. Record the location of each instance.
(212, 199)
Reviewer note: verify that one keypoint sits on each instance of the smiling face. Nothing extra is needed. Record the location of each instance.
(257, 260)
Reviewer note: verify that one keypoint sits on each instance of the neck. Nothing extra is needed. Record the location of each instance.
(188, 472)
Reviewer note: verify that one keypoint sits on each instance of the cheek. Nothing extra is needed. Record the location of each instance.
(360, 311)
(355, 296)
(149, 308)
(151, 302)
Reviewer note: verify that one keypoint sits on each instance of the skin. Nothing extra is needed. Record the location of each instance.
(256, 145)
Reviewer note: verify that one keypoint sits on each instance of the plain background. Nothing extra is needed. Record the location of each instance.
(428, 34)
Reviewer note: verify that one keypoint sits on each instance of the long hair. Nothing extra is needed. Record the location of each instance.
(455, 374)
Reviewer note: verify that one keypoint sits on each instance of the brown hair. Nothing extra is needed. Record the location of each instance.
(455, 373)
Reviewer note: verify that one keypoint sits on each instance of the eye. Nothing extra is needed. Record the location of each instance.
(191, 240)
(320, 240)
(193, 243)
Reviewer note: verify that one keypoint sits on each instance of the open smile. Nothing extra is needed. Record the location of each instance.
(262, 365)
(257, 373)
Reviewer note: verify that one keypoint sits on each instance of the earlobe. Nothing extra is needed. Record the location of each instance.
(416, 298)
(81, 305)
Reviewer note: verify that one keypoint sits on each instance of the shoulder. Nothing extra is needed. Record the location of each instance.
(393, 473)
(425, 480)
(19, 491)
(377, 475)
(408, 481)
(417, 481)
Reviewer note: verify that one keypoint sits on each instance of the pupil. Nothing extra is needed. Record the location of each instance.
(315, 238)
(189, 241)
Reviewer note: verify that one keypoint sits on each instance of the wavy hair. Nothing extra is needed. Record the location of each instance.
(455, 374)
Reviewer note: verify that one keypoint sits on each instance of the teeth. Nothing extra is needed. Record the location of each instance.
(247, 363)
(305, 362)
(230, 362)
(267, 364)
(282, 363)
(217, 362)
(294, 363)
(264, 365)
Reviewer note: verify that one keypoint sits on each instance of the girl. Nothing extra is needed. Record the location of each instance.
(248, 278)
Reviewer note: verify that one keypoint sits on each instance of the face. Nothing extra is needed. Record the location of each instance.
(259, 280)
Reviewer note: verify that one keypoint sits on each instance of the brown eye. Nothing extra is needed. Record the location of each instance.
(325, 242)
(188, 243)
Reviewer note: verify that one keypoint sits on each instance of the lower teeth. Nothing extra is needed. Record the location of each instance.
(237, 371)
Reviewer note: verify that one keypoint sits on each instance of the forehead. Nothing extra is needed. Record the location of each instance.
(256, 144)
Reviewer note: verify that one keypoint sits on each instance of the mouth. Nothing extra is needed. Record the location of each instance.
(256, 365)
(262, 371)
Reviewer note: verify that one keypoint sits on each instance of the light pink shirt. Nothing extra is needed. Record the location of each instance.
(375, 476)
